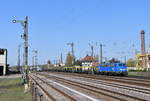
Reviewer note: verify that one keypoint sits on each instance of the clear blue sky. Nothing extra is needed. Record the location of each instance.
(53, 23)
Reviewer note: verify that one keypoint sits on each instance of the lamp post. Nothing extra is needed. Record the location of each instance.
(24, 23)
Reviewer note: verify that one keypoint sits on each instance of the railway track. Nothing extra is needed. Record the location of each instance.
(123, 86)
(100, 90)
(83, 87)
(40, 88)
(49, 89)
(125, 80)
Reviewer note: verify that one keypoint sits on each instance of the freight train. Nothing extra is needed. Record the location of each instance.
(106, 69)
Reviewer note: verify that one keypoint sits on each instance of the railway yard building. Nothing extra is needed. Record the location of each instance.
(3, 61)
(88, 61)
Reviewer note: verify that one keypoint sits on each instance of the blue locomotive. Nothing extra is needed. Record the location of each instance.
(112, 69)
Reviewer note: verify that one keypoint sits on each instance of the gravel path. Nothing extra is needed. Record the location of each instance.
(11, 76)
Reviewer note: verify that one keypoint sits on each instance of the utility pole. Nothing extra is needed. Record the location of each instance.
(24, 23)
(92, 50)
(35, 58)
(72, 47)
(19, 68)
(105, 59)
(54, 62)
(101, 54)
(32, 62)
(72, 51)
(121, 59)
(125, 59)
(61, 58)
(92, 55)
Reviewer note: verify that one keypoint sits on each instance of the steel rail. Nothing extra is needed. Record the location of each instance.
(47, 94)
(139, 89)
(142, 90)
(97, 89)
(111, 78)
(66, 95)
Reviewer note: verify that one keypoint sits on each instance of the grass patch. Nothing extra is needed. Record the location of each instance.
(12, 90)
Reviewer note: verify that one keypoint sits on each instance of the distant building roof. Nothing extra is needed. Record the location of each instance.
(88, 59)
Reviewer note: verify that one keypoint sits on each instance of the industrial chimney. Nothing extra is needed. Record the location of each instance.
(143, 42)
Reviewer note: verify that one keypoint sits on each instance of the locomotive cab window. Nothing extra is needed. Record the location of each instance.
(120, 65)
(123, 65)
